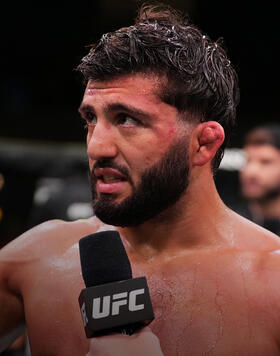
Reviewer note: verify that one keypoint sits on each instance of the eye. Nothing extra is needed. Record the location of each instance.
(126, 120)
(90, 118)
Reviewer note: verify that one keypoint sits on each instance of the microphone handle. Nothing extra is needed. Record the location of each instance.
(125, 330)
(130, 329)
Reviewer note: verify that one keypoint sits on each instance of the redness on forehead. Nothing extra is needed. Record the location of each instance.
(91, 91)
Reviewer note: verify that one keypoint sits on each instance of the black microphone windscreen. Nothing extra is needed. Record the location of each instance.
(103, 259)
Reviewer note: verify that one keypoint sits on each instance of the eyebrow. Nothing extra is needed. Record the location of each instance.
(116, 107)
(85, 108)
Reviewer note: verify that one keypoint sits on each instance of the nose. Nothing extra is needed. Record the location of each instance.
(101, 142)
(251, 167)
(250, 170)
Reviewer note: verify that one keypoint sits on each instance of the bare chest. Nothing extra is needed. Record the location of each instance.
(201, 310)
(197, 311)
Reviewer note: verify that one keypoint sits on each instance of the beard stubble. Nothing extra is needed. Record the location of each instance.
(160, 187)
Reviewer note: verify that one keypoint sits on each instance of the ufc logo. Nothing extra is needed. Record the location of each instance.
(118, 300)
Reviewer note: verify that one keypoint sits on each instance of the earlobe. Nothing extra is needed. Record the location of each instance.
(207, 138)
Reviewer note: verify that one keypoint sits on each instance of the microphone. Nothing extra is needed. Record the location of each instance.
(113, 301)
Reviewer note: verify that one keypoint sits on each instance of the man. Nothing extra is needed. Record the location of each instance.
(260, 177)
(159, 96)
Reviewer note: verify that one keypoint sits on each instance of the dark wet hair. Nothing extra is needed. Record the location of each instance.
(266, 134)
(200, 79)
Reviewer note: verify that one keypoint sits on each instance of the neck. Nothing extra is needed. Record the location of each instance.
(197, 220)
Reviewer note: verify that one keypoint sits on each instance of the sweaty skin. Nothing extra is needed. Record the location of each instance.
(212, 300)
(213, 275)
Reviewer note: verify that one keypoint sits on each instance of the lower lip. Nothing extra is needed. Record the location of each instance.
(110, 188)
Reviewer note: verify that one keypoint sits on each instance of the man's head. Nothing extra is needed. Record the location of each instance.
(260, 177)
(197, 77)
(169, 76)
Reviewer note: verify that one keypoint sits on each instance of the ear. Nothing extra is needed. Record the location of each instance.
(206, 139)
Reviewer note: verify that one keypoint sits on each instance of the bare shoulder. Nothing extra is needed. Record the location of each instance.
(267, 291)
(250, 236)
(259, 250)
(53, 237)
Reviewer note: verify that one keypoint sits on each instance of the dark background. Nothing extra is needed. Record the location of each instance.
(41, 44)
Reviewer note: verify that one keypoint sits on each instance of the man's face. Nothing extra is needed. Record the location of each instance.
(137, 149)
(260, 177)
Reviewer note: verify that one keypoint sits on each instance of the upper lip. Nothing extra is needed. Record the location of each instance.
(100, 172)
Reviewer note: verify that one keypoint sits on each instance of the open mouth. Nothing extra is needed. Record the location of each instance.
(109, 175)
(111, 179)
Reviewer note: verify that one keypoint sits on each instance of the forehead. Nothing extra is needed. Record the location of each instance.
(139, 92)
(140, 84)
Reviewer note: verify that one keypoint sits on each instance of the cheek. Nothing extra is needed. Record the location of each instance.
(171, 132)
(89, 134)
(164, 138)
(87, 142)
(150, 148)
(153, 150)
(272, 175)
(144, 156)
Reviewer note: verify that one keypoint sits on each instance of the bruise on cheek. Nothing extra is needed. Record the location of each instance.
(171, 132)
(148, 160)
(166, 136)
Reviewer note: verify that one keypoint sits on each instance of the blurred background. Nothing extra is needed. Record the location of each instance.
(43, 165)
